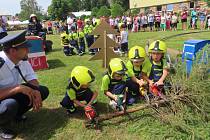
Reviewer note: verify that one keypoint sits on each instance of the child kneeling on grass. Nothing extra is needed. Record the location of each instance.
(78, 89)
(138, 63)
(114, 84)
(159, 68)
(65, 42)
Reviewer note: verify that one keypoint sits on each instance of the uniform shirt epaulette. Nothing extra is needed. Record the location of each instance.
(1, 62)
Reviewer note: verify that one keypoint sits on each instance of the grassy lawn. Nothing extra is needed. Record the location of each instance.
(52, 122)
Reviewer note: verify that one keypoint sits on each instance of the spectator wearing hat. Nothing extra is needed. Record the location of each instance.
(16, 98)
(34, 26)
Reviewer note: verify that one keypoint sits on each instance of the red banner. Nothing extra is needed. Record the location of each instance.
(38, 62)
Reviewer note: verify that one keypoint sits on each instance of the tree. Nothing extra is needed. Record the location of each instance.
(135, 11)
(208, 2)
(104, 11)
(88, 5)
(29, 7)
(116, 10)
(103, 3)
(123, 3)
(94, 12)
(59, 9)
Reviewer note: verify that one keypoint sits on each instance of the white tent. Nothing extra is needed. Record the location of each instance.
(16, 22)
(4, 13)
(79, 14)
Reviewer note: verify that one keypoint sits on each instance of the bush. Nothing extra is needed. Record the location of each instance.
(104, 11)
(116, 10)
(188, 109)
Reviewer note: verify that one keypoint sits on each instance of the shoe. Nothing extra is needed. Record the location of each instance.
(80, 54)
(7, 134)
(91, 53)
(131, 101)
(70, 111)
(120, 108)
(22, 118)
(113, 105)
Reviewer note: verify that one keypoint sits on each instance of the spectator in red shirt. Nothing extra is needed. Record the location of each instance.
(49, 27)
(80, 23)
(184, 19)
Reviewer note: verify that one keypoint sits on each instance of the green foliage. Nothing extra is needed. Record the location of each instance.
(88, 5)
(103, 3)
(116, 10)
(123, 3)
(29, 7)
(46, 17)
(135, 11)
(94, 12)
(59, 9)
(208, 2)
(104, 11)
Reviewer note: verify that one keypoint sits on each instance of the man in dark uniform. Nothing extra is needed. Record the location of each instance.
(17, 98)
(34, 26)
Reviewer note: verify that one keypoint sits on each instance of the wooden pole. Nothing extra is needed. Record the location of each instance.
(132, 110)
(105, 50)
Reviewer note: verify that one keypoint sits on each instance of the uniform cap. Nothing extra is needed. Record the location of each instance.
(17, 40)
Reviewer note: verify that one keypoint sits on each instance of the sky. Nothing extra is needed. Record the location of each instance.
(13, 6)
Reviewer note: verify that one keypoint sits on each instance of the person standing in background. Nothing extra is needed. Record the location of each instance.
(151, 19)
(202, 18)
(163, 21)
(184, 15)
(174, 21)
(157, 21)
(3, 30)
(194, 18)
(168, 21)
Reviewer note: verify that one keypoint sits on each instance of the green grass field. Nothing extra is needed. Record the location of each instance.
(52, 122)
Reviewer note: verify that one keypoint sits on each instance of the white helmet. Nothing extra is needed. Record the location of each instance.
(32, 15)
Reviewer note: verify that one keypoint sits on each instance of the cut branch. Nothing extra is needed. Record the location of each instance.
(132, 110)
